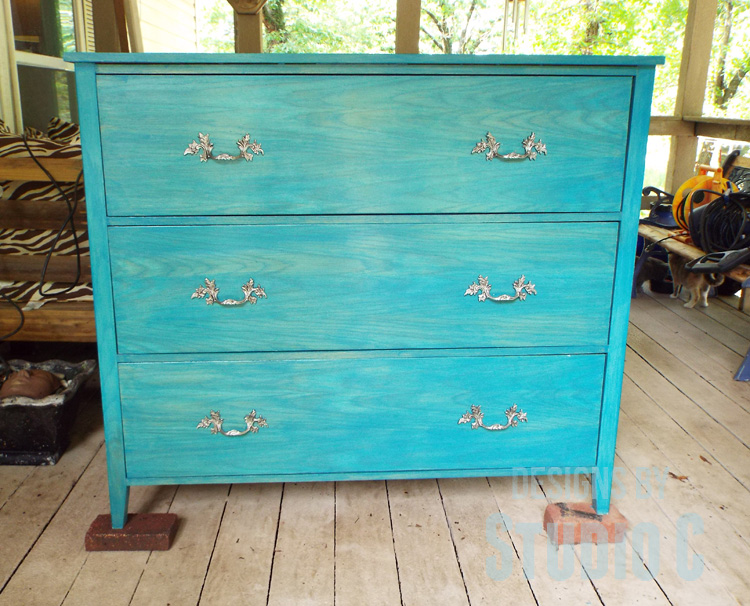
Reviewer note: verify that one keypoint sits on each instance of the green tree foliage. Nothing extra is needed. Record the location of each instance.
(329, 26)
(460, 26)
(729, 94)
(609, 27)
(586, 27)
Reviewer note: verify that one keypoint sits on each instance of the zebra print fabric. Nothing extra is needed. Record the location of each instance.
(63, 141)
(27, 293)
(38, 242)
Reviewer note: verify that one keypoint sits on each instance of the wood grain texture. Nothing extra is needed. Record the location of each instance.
(428, 568)
(45, 576)
(390, 149)
(25, 169)
(100, 274)
(37, 500)
(176, 576)
(731, 554)
(242, 559)
(39, 214)
(407, 409)
(469, 504)
(280, 63)
(366, 569)
(643, 85)
(29, 268)
(303, 563)
(358, 150)
(123, 570)
(58, 322)
(372, 286)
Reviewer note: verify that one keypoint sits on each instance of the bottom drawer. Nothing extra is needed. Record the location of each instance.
(355, 416)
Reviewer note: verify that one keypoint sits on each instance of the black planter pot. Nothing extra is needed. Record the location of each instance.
(36, 432)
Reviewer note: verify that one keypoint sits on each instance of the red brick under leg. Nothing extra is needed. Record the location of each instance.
(142, 532)
(575, 523)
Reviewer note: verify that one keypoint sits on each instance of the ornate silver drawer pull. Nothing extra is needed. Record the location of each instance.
(211, 293)
(215, 422)
(476, 418)
(490, 145)
(205, 147)
(521, 287)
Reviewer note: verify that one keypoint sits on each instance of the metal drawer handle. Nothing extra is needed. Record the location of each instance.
(205, 147)
(476, 418)
(490, 145)
(211, 293)
(521, 287)
(215, 422)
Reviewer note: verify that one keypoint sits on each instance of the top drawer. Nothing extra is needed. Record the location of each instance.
(362, 144)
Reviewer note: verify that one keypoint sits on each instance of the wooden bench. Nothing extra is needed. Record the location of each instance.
(741, 273)
(54, 321)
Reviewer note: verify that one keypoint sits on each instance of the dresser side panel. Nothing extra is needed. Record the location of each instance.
(643, 86)
(101, 278)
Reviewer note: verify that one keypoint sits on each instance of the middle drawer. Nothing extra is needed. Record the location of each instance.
(336, 286)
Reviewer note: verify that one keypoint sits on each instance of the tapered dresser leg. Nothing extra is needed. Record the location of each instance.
(118, 503)
(601, 482)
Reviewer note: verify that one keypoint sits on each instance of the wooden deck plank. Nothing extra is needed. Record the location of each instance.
(469, 503)
(366, 571)
(706, 473)
(240, 569)
(727, 312)
(48, 571)
(701, 350)
(176, 576)
(620, 578)
(28, 511)
(710, 326)
(11, 477)
(303, 563)
(675, 497)
(697, 405)
(706, 356)
(121, 569)
(525, 510)
(426, 557)
(649, 523)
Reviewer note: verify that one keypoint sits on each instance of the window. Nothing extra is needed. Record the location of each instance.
(43, 85)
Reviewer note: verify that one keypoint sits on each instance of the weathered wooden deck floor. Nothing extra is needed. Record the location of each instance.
(683, 476)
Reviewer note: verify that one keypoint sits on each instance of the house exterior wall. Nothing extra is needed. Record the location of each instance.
(168, 26)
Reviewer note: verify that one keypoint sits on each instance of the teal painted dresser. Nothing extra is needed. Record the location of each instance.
(351, 267)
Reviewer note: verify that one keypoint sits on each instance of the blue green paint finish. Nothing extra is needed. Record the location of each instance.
(636, 154)
(392, 264)
(103, 306)
(486, 352)
(358, 59)
(525, 487)
(405, 412)
(204, 220)
(351, 144)
(338, 287)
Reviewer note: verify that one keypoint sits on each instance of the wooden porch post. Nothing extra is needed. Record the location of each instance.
(407, 26)
(691, 88)
(248, 25)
